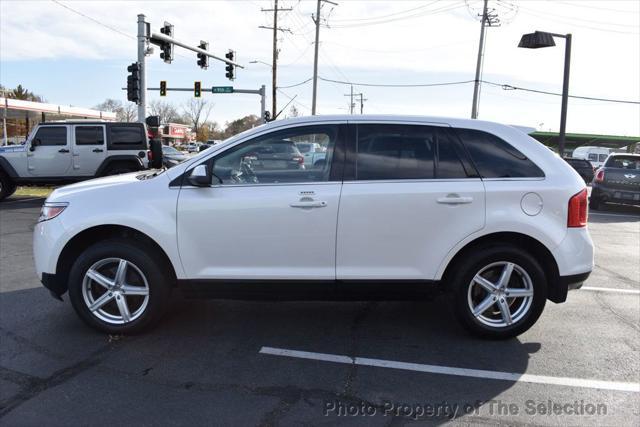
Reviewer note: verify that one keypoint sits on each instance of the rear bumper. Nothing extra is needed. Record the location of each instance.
(615, 195)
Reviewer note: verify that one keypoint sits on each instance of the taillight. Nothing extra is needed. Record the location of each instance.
(149, 154)
(578, 210)
(600, 175)
(299, 159)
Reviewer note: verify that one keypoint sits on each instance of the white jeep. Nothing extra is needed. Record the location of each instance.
(70, 151)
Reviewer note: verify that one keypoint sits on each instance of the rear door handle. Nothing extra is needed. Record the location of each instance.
(63, 150)
(454, 200)
(98, 150)
(310, 204)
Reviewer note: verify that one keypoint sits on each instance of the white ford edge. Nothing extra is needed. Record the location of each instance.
(401, 206)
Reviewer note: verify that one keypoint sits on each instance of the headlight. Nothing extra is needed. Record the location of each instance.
(51, 210)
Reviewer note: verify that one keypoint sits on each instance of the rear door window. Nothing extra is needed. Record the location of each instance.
(495, 158)
(89, 135)
(390, 152)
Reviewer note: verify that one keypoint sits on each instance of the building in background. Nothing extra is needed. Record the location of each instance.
(176, 134)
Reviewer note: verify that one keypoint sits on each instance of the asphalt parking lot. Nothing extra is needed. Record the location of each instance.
(254, 363)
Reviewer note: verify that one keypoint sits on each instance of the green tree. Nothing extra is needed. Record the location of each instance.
(24, 94)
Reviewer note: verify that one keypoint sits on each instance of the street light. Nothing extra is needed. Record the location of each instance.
(541, 39)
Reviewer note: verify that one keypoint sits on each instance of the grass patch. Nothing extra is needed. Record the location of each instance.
(34, 191)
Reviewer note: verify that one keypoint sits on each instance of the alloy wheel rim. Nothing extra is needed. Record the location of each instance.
(115, 291)
(500, 294)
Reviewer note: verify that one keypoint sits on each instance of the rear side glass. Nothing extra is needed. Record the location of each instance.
(126, 135)
(387, 152)
(448, 163)
(495, 158)
(89, 135)
(593, 156)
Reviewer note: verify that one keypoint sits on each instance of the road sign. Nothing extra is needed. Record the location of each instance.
(222, 89)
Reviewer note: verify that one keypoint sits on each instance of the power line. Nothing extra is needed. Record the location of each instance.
(416, 15)
(504, 86)
(77, 12)
(297, 84)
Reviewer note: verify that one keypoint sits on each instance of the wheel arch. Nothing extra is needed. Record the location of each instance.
(556, 292)
(89, 236)
(128, 159)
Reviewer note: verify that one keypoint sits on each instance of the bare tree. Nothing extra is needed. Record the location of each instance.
(124, 112)
(167, 111)
(128, 113)
(197, 111)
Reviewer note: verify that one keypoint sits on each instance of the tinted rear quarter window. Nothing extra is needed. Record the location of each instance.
(126, 137)
(495, 158)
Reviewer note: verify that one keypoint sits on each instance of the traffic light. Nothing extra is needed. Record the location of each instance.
(230, 68)
(203, 60)
(166, 48)
(163, 88)
(133, 83)
(197, 89)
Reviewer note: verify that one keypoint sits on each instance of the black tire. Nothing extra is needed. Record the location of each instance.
(595, 203)
(7, 186)
(144, 260)
(319, 164)
(461, 282)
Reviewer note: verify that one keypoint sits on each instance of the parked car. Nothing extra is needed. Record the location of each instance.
(192, 147)
(583, 167)
(618, 181)
(314, 153)
(69, 151)
(595, 155)
(172, 157)
(406, 205)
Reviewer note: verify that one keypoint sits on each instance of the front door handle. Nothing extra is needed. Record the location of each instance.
(454, 199)
(309, 204)
(63, 150)
(97, 150)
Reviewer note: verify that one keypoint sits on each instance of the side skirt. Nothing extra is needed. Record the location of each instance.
(311, 290)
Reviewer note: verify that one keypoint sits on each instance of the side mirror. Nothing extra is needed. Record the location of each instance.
(34, 144)
(200, 177)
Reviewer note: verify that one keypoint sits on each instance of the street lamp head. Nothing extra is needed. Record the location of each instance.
(536, 40)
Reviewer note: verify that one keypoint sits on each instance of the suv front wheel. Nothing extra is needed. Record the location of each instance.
(118, 287)
(499, 291)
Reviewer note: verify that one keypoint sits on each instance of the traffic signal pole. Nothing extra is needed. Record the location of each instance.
(142, 50)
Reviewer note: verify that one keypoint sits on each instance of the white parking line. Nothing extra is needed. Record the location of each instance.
(621, 291)
(461, 372)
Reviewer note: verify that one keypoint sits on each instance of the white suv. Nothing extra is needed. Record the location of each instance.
(402, 206)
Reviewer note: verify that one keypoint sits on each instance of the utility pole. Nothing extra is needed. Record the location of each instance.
(274, 61)
(487, 19)
(316, 19)
(351, 104)
(142, 53)
(361, 102)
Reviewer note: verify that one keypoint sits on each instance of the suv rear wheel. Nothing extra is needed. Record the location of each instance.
(499, 291)
(118, 287)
